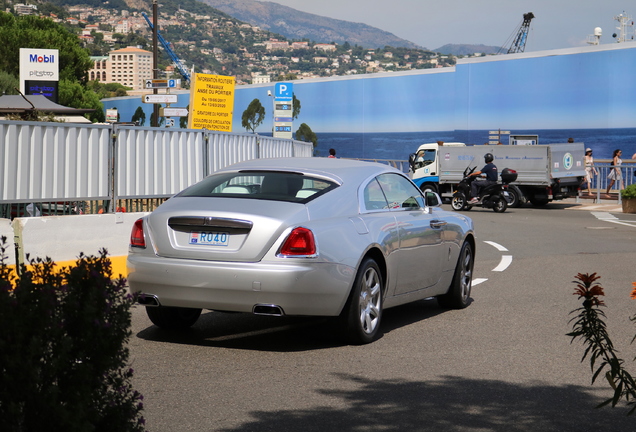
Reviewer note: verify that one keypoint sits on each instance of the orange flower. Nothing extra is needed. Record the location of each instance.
(586, 289)
(633, 294)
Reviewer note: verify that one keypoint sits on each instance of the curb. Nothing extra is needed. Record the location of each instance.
(611, 207)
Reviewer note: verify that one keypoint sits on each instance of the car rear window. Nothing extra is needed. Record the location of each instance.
(269, 185)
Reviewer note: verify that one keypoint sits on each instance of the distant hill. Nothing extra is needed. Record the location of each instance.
(294, 24)
(465, 49)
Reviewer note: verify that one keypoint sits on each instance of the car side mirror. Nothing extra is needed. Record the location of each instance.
(432, 199)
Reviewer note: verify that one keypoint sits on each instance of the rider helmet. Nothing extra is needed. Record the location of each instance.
(489, 157)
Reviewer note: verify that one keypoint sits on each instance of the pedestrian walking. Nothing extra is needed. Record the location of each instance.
(615, 174)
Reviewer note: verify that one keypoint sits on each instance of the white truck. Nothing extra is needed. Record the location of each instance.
(545, 172)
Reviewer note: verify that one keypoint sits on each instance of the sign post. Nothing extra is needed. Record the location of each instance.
(283, 110)
(39, 72)
(495, 136)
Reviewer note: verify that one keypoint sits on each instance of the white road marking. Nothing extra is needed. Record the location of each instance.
(608, 217)
(497, 246)
(604, 216)
(506, 260)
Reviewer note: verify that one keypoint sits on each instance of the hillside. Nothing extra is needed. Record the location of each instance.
(466, 49)
(294, 24)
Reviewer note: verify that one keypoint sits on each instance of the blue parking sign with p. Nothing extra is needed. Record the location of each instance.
(284, 91)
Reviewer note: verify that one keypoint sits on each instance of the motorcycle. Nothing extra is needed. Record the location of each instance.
(494, 196)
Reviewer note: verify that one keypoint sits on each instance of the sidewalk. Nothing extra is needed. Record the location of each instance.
(608, 203)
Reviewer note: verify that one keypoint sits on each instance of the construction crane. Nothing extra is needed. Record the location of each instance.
(519, 44)
(166, 46)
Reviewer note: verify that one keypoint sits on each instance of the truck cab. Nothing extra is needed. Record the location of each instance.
(424, 165)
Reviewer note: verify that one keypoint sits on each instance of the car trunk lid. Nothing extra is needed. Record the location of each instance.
(221, 229)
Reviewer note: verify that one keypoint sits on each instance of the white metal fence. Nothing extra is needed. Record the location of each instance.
(65, 162)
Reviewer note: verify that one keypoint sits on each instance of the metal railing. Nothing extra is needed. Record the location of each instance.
(600, 183)
(58, 168)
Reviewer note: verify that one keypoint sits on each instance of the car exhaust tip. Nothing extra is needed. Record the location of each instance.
(267, 309)
(148, 300)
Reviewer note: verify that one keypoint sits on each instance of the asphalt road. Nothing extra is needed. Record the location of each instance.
(503, 364)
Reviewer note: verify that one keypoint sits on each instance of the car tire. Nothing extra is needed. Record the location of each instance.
(499, 205)
(458, 202)
(458, 295)
(173, 318)
(363, 312)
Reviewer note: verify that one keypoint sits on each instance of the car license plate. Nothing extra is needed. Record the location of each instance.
(209, 238)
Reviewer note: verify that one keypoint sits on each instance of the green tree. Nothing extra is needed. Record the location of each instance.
(304, 133)
(139, 116)
(36, 32)
(162, 120)
(75, 95)
(295, 107)
(8, 84)
(106, 90)
(253, 116)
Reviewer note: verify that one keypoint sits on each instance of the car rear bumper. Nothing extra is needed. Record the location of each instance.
(298, 287)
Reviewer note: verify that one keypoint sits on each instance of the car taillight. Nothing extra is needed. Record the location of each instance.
(300, 242)
(137, 234)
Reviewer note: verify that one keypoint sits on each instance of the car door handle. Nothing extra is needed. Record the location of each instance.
(438, 223)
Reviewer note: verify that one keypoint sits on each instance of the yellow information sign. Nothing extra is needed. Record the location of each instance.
(211, 102)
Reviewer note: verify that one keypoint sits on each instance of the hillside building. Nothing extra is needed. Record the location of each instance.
(25, 9)
(130, 67)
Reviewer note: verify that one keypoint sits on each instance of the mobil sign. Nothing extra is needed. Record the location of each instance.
(37, 64)
(41, 58)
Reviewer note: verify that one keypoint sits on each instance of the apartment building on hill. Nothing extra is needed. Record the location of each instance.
(129, 66)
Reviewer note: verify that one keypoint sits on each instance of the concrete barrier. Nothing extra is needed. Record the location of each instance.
(7, 231)
(62, 238)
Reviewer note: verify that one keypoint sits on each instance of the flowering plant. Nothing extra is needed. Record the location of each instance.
(589, 325)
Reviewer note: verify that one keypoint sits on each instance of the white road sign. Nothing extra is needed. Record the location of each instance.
(159, 98)
(173, 112)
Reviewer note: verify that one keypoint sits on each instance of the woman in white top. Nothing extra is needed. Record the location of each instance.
(615, 172)
(590, 170)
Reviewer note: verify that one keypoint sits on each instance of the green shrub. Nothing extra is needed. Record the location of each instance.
(629, 192)
(63, 355)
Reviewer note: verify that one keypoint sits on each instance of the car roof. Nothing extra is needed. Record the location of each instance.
(337, 169)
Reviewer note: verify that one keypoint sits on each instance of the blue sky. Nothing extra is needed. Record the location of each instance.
(431, 24)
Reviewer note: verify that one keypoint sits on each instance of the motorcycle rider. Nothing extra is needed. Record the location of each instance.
(490, 171)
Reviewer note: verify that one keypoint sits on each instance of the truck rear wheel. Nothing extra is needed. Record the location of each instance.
(428, 187)
(539, 201)
(514, 197)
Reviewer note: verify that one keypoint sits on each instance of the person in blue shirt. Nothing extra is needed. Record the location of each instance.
(490, 171)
